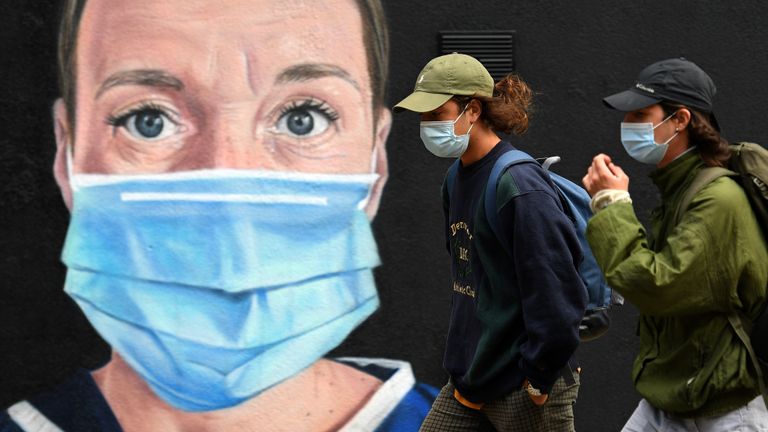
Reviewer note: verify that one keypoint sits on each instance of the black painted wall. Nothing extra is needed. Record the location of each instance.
(571, 53)
(42, 333)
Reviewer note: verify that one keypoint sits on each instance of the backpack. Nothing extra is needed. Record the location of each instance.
(576, 204)
(748, 166)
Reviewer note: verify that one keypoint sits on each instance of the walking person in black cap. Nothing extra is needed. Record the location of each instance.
(685, 277)
(516, 298)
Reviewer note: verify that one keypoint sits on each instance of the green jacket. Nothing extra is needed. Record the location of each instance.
(684, 279)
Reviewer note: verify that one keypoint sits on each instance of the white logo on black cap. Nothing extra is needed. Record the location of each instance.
(644, 88)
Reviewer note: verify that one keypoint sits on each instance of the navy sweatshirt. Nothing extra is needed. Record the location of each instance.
(512, 317)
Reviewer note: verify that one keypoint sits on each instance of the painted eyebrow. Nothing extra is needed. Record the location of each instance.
(311, 71)
(141, 77)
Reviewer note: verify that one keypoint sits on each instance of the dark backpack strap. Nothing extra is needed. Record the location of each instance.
(703, 178)
(504, 161)
(742, 328)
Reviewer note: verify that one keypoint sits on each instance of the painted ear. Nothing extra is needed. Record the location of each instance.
(383, 126)
(63, 132)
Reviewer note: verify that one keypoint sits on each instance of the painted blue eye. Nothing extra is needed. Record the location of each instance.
(303, 122)
(146, 123)
(299, 122)
(305, 119)
(149, 124)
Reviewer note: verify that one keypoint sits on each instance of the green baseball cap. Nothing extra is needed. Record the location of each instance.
(444, 77)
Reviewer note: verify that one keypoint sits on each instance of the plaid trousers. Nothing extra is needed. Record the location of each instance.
(515, 412)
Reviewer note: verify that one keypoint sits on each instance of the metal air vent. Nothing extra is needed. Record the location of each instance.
(494, 49)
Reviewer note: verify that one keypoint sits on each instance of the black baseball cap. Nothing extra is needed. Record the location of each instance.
(673, 80)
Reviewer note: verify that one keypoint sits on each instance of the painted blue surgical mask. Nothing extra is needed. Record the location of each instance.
(439, 137)
(215, 285)
(640, 143)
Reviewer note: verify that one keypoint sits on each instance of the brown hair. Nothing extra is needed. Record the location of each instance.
(375, 39)
(713, 148)
(509, 109)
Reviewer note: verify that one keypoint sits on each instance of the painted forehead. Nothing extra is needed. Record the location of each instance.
(143, 34)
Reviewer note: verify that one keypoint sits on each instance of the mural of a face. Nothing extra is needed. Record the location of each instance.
(210, 97)
(180, 85)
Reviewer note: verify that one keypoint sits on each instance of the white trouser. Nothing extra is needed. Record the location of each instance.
(752, 417)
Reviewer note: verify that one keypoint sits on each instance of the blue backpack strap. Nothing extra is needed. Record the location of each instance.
(504, 161)
(575, 201)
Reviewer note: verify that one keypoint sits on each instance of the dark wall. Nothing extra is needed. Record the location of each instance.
(571, 53)
(42, 333)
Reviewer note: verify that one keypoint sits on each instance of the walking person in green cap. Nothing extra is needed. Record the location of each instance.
(517, 297)
(693, 269)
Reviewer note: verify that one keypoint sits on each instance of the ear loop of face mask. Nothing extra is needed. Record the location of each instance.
(471, 125)
(677, 132)
(374, 165)
(70, 174)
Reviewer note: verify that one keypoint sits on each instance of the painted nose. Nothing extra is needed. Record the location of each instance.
(235, 144)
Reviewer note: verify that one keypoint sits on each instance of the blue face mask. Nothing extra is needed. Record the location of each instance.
(640, 143)
(439, 137)
(215, 285)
